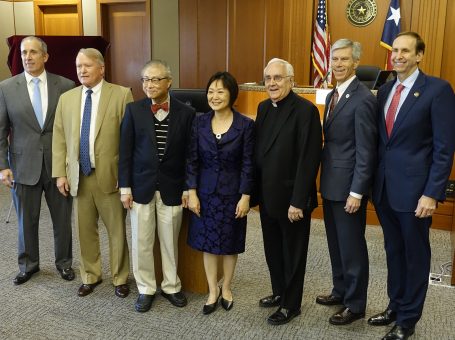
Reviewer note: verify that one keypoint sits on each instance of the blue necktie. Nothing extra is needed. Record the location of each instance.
(84, 148)
(36, 102)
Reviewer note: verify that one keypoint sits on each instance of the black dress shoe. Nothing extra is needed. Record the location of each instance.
(209, 309)
(144, 302)
(122, 291)
(226, 304)
(345, 316)
(67, 274)
(282, 316)
(177, 299)
(87, 288)
(270, 301)
(329, 300)
(399, 333)
(23, 277)
(382, 319)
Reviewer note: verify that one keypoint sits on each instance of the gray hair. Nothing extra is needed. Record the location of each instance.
(344, 43)
(288, 66)
(40, 41)
(94, 54)
(158, 62)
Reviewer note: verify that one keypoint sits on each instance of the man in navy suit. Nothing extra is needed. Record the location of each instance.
(288, 151)
(27, 110)
(416, 145)
(347, 167)
(155, 132)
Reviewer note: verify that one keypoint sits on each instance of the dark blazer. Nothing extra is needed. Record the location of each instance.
(139, 164)
(417, 158)
(28, 144)
(226, 168)
(350, 144)
(287, 161)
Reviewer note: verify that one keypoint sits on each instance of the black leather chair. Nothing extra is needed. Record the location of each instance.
(367, 74)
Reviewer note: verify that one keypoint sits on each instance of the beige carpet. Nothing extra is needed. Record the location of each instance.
(47, 307)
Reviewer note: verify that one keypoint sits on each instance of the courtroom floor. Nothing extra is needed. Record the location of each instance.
(47, 307)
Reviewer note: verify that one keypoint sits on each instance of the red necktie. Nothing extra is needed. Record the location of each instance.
(156, 107)
(391, 112)
(333, 102)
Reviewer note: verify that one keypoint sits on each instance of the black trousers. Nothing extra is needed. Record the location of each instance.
(286, 248)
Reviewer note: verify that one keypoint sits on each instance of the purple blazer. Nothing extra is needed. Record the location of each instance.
(226, 167)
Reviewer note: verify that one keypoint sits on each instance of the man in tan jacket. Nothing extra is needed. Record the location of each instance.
(85, 158)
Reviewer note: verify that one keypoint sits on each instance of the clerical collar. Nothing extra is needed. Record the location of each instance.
(282, 101)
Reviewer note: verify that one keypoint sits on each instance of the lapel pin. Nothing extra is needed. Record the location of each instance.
(347, 96)
(416, 94)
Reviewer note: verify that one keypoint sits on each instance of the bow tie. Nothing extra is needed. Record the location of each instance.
(164, 107)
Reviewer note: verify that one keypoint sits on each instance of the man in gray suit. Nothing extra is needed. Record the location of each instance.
(27, 108)
(348, 163)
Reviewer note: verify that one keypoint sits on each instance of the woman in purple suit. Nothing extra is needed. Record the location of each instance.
(220, 179)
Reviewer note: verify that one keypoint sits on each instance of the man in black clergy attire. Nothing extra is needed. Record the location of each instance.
(288, 152)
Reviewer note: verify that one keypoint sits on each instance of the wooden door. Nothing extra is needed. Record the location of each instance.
(60, 17)
(126, 25)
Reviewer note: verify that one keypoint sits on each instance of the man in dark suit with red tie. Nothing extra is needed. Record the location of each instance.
(416, 146)
(347, 167)
(154, 135)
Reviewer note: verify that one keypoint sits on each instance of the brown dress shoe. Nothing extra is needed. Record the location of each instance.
(87, 288)
(329, 300)
(344, 317)
(122, 291)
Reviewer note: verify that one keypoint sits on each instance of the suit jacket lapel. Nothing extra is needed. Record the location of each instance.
(326, 108)
(105, 96)
(76, 117)
(410, 100)
(342, 101)
(149, 120)
(52, 88)
(22, 92)
(233, 130)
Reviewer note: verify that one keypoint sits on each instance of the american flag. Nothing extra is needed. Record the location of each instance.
(391, 29)
(321, 46)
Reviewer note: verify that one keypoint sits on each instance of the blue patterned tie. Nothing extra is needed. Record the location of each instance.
(36, 102)
(84, 148)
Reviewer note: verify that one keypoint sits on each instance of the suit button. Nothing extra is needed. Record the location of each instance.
(217, 170)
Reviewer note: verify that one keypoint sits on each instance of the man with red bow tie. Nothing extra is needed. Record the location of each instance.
(154, 135)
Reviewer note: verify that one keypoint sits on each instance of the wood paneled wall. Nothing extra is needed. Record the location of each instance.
(241, 36)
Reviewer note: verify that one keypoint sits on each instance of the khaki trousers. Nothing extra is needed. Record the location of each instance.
(90, 204)
(167, 220)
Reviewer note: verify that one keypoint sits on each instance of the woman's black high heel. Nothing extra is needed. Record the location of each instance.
(208, 309)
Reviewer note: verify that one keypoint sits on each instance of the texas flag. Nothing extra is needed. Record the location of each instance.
(391, 29)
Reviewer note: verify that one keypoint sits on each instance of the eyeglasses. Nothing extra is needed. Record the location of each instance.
(154, 80)
(276, 79)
